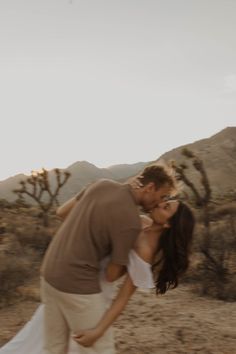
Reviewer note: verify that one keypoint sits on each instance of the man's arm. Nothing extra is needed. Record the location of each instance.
(66, 208)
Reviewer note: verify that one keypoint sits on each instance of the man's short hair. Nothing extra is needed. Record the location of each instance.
(157, 174)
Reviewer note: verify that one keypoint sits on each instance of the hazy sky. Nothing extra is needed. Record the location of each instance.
(112, 81)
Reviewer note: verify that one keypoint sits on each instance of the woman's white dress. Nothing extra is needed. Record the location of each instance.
(29, 339)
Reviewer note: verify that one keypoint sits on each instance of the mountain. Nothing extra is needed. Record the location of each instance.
(219, 157)
(82, 173)
(8, 185)
(217, 152)
(125, 171)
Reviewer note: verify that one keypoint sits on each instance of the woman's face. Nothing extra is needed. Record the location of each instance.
(163, 212)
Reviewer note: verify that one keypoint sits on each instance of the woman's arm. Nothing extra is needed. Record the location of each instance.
(88, 337)
(65, 208)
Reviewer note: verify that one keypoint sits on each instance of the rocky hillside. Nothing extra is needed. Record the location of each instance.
(82, 173)
(218, 153)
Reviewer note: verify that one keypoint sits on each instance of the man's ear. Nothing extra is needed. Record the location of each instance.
(150, 187)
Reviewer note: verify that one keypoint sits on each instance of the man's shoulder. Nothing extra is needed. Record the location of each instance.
(100, 184)
(105, 182)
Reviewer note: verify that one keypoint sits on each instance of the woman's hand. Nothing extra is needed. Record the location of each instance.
(87, 338)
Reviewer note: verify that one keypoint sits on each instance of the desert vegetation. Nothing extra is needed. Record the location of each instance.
(24, 234)
(24, 238)
(38, 187)
(215, 239)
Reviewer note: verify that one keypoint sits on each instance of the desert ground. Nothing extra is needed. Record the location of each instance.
(178, 322)
(181, 321)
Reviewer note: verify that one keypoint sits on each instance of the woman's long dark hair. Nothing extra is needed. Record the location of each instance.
(175, 248)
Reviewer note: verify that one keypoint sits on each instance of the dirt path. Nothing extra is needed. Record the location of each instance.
(178, 322)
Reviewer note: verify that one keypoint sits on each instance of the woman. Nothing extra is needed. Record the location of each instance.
(164, 247)
(164, 243)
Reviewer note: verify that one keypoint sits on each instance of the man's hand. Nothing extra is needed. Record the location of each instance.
(87, 338)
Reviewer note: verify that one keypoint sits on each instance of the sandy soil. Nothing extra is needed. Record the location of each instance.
(178, 322)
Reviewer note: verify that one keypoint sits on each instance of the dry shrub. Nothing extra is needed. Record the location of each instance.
(5, 204)
(13, 272)
(23, 241)
(218, 247)
(43, 188)
(213, 265)
(34, 236)
(14, 267)
(217, 270)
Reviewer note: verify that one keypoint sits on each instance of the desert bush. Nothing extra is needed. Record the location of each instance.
(35, 237)
(217, 270)
(13, 272)
(15, 267)
(216, 245)
(40, 189)
(23, 242)
(5, 204)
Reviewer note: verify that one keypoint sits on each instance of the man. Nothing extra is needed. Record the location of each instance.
(102, 220)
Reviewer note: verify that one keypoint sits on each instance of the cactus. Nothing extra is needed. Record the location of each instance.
(37, 185)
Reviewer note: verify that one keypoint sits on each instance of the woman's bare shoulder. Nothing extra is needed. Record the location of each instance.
(143, 247)
(147, 244)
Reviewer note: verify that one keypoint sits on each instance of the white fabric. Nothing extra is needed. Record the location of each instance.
(107, 288)
(140, 271)
(29, 339)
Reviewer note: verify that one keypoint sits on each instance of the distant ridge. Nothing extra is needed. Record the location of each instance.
(218, 153)
(82, 173)
(219, 156)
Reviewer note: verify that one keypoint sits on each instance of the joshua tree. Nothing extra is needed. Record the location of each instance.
(213, 265)
(201, 199)
(37, 185)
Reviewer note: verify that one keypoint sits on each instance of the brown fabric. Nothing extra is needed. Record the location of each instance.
(105, 221)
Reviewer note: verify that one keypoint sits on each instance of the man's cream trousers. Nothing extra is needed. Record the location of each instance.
(66, 314)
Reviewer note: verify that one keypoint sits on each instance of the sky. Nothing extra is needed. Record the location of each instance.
(112, 81)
